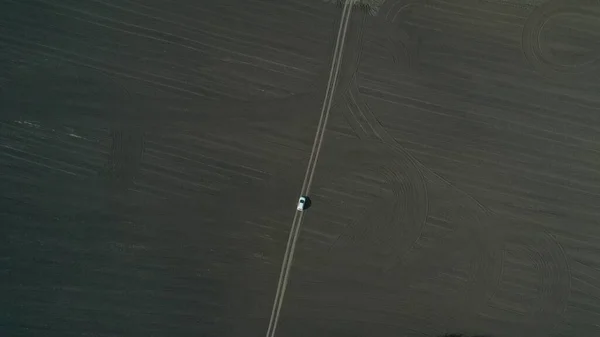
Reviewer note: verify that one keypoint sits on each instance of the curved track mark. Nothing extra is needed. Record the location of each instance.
(475, 237)
(486, 254)
(532, 45)
(551, 265)
(426, 263)
(486, 267)
(487, 263)
(402, 46)
(411, 208)
(361, 108)
(368, 127)
(393, 10)
(391, 228)
(554, 292)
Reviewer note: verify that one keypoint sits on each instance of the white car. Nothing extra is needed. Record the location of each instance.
(303, 203)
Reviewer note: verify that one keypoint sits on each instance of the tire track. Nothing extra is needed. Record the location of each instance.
(366, 126)
(389, 229)
(370, 6)
(537, 54)
(585, 275)
(468, 237)
(435, 254)
(485, 276)
(413, 210)
(381, 134)
(339, 165)
(485, 253)
(311, 167)
(485, 266)
(487, 256)
(551, 266)
(556, 284)
(398, 39)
